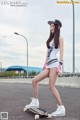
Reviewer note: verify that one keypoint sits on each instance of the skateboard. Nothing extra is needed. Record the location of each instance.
(39, 112)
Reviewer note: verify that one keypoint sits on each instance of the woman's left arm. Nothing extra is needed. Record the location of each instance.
(61, 46)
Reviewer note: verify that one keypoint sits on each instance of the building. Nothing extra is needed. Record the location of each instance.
(23, 69)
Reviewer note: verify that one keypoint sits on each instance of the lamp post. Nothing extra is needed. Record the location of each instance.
(73, 37)
(27, 48)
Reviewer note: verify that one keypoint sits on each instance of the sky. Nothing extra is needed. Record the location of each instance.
(30, 20)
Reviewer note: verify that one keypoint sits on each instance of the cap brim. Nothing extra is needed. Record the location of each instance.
(51, 22)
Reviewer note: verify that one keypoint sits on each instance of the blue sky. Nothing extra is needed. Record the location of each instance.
(31, 21)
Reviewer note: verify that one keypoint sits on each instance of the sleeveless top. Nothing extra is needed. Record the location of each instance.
(52, 53)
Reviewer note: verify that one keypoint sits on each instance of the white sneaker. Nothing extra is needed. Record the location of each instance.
(34, 104)
(60, 111)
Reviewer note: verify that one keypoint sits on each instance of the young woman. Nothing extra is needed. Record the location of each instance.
(54, 44)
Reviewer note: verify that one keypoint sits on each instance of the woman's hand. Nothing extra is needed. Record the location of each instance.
(59, 69)
(44, 66)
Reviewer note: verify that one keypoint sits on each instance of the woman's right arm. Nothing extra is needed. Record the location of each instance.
(44, 66)
(46, 56)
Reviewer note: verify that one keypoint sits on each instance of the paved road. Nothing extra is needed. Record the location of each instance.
(13, 98)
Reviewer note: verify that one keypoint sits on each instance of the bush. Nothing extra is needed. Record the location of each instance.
(14, 74)
(7, 74)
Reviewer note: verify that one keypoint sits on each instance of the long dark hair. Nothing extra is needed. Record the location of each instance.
(54, 35)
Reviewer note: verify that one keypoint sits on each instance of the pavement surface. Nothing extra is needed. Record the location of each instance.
(14, 96)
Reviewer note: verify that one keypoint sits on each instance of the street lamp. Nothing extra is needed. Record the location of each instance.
(27, 48)
(73, 37)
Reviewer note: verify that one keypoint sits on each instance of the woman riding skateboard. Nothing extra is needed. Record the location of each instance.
(51, 68)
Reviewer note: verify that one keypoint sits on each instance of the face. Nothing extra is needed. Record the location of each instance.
(52, 27)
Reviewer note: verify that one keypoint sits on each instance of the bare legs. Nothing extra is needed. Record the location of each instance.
(52, 80)
(51, 73)
(38, 78)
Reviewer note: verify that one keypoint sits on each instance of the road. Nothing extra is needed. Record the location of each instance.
(14, 96)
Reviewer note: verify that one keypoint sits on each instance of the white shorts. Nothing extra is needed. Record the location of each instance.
(56, 64)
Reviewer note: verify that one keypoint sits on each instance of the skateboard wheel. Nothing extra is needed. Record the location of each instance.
(49, 116)
(36, 117)
(25, 109)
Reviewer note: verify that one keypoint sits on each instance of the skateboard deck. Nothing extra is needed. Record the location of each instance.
(39, 112)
